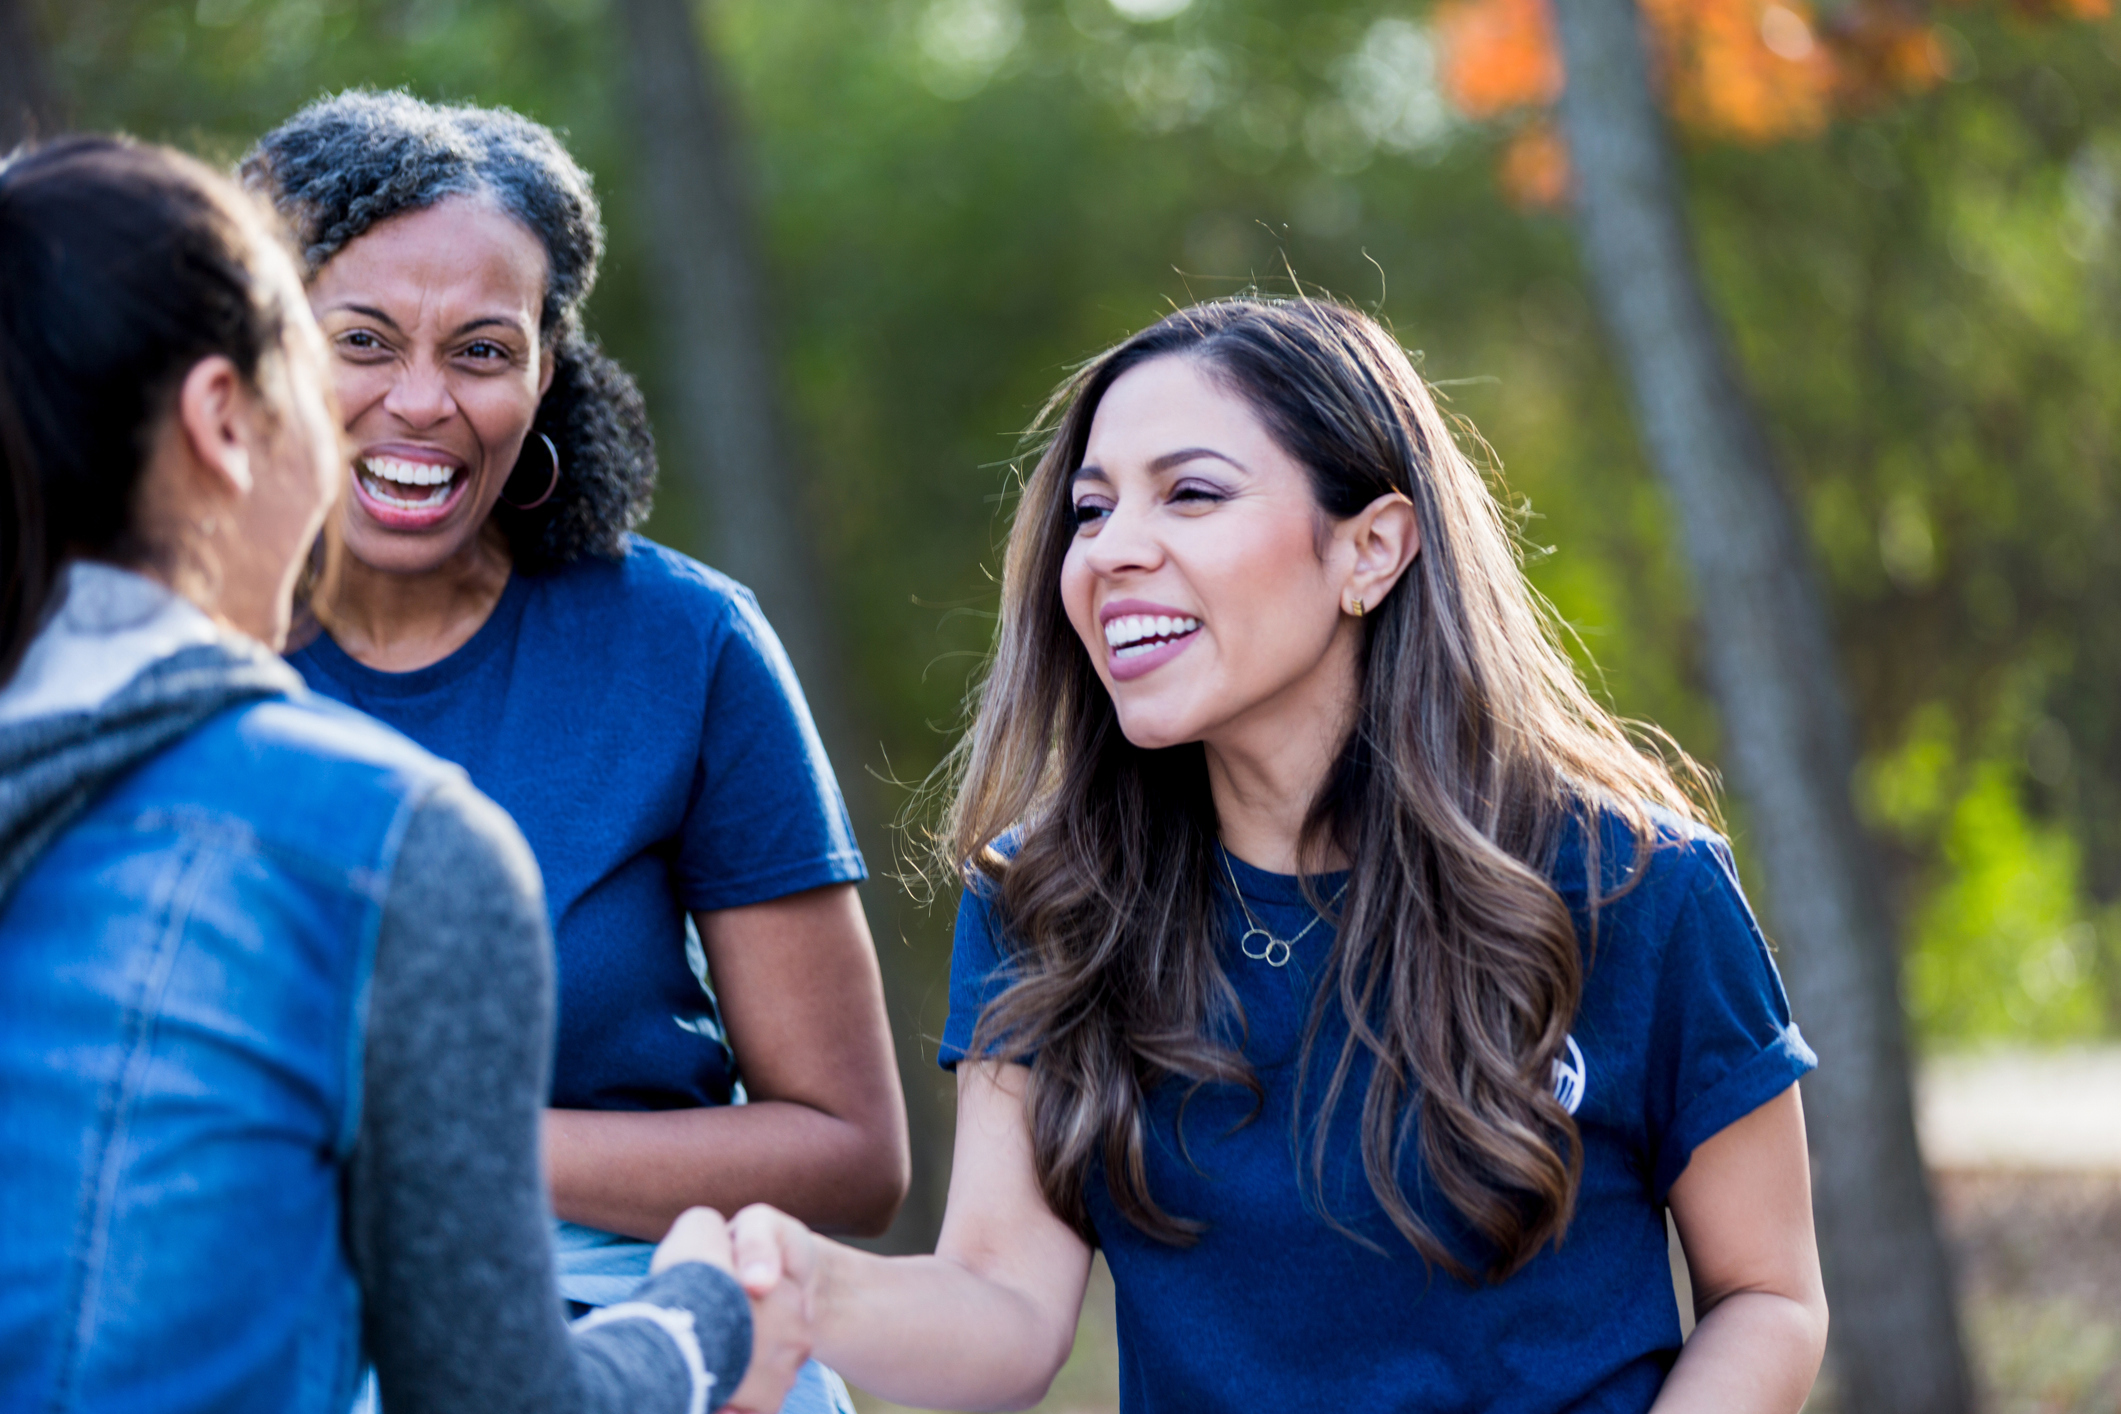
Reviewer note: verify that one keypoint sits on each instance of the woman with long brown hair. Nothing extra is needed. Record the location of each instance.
(1329, 957)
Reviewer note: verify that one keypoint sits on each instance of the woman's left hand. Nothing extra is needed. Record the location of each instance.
(699, 1235)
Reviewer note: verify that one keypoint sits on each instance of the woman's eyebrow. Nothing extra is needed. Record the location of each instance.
(1186, 454)
(1167, 462)
(366, 310)
(484, 322)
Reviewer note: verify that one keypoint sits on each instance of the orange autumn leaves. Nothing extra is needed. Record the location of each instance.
(1751, 71)
(1497, 55)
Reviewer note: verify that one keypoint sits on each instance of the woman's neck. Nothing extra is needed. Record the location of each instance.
(1266, 772)
(398, 623)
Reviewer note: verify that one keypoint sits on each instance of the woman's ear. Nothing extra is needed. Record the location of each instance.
(1385, 537)
(215, 415)
(548, 364)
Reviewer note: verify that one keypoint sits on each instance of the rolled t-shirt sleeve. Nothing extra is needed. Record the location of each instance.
(979, 971)
(1722, 1040)
(765, 818)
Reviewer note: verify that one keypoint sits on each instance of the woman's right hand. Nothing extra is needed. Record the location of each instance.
(984, 1323)
(772, 1248)
(778, 1261)
(780, 1327)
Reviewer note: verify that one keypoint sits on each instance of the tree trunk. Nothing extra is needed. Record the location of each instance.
(735, 459)
(1771, 662)
(728, 414)
(27, 106)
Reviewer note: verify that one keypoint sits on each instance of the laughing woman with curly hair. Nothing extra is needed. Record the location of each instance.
(628, 706)
(1328, 956)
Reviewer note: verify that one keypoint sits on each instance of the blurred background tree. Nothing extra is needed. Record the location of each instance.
(1905, 219)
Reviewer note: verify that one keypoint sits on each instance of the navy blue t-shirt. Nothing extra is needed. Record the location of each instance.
(1683, 1028)
(641, 722)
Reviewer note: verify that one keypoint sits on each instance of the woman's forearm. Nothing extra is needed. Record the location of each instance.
(1756, 1352)
(932, 1332)
(985, 1323)
(635, 1171)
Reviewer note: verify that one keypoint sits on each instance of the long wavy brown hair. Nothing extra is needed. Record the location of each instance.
(1456, 966)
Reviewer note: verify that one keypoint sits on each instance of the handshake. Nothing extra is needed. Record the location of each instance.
(776, 1260)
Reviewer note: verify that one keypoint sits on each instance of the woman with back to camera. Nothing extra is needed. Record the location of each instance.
(629, 707)
(275, 989)
(1328, 956)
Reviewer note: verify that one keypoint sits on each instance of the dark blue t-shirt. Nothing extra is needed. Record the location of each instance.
(640, 721)
(1683, 1028)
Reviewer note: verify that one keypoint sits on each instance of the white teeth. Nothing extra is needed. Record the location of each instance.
(408, 473)
(392, 471)
(1134, 629)
(433, 498)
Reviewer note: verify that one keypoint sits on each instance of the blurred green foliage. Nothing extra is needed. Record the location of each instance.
(963, 197)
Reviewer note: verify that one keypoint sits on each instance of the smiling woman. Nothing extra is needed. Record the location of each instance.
(1234, 524)
(437, 406)
(1328, 959)
(628, 706)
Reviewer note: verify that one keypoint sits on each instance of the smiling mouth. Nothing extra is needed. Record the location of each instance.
(407, 485)
(1137, 634)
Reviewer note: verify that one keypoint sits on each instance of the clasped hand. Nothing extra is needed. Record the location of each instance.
(774, 1257)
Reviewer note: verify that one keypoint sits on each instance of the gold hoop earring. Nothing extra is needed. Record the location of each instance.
(1358, 608)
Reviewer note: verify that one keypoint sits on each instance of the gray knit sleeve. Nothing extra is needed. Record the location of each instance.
(447, 1218)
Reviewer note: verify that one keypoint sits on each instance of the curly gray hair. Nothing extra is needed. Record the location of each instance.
(345, 163)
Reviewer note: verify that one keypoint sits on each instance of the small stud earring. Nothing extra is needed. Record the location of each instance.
(1358, 608)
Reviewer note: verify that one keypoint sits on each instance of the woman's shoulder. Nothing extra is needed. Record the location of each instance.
(981, 927)
(1642, 865)
(654, 618)
(981, 876)
(305, 775)
(307, 729)
(649, 588)
(328, 765)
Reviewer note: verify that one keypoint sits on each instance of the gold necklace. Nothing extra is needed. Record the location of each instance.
(1277, 951)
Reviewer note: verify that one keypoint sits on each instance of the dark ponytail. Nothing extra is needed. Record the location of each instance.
(26, 574)
(121, 266)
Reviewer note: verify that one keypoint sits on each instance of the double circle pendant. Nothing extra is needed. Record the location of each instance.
(1275, 953)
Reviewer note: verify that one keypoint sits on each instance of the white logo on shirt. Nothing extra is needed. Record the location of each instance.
(1571, 1077)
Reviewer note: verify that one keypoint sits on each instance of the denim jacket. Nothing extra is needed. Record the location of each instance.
(183, 976)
